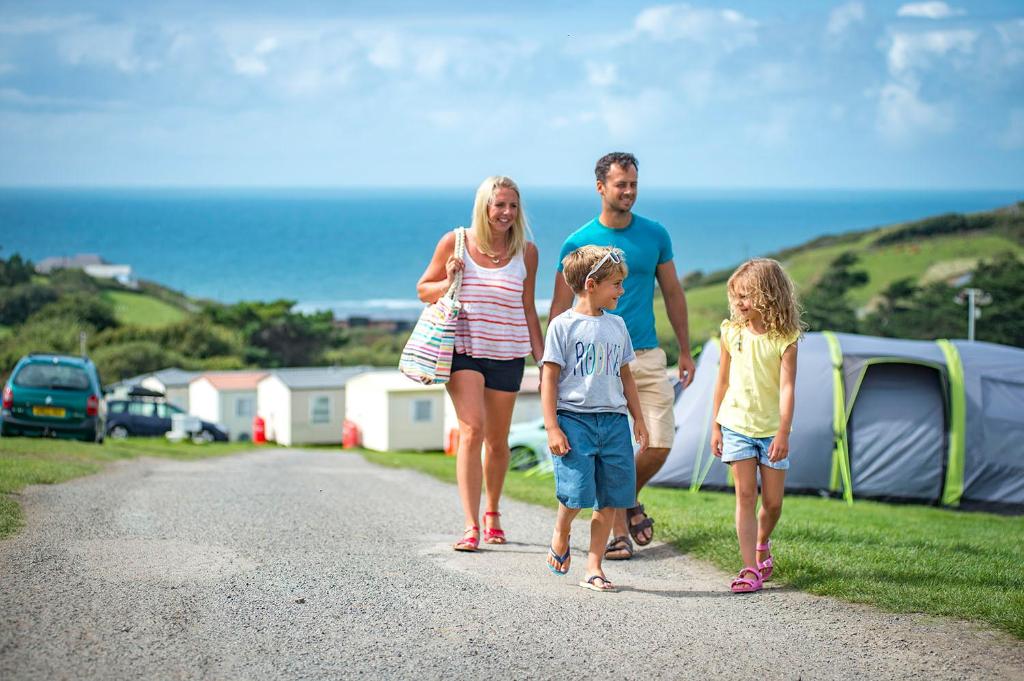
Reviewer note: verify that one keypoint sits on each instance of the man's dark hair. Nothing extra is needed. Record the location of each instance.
(618, 158)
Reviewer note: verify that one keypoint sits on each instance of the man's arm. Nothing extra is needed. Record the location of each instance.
(561, 298)
(675, 305)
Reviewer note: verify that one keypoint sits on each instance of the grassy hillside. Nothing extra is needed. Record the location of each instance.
(141, 309)
(887, 254)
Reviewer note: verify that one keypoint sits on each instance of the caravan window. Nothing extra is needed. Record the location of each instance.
(422, 411)
(320, 409)
(244, 407)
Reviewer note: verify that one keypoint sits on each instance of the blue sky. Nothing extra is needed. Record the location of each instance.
(741, 94)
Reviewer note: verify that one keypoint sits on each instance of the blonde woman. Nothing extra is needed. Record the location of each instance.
(496, 329)
(754, 405)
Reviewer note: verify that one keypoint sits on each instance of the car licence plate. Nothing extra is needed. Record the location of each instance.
(56, 412)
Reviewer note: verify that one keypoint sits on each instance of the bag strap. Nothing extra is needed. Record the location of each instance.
(460, 252)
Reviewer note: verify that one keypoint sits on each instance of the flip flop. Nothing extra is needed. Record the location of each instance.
(561, 560)
(606, 586)
(746, 585)
(635, 530)
(621, 543)
(766, 566)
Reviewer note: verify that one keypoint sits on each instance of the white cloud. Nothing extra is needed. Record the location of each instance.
(601, 75)
(725, 28)
(386, 52)
(1011, 34)
(911, 51)
(928, 10)
(903, 116)
(254, 64)
(1012, 138)
(104, 45)
(844, 16)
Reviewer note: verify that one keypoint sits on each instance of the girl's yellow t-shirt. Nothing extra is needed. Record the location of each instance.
(751, 404)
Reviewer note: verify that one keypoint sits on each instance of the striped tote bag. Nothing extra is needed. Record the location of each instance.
(427, 357)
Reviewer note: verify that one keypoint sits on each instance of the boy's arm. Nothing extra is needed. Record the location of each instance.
(721, 385)
(633, 405)
(557, 442)
(779, 449)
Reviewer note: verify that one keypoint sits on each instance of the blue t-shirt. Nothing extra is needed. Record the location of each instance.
(646, 244)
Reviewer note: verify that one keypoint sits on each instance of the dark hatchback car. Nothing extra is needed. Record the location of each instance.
(147, 414)
(53, 396)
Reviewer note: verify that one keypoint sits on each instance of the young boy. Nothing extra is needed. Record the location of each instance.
(586, 389)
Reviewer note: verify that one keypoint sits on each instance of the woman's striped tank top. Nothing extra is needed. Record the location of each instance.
(492, 322)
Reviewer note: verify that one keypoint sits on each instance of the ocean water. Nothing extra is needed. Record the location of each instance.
(360, 252)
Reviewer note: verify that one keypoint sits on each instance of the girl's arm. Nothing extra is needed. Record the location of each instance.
(557, 442)
(779, 449)
(721, 385)
(633, 404)
(529, 304)
(438, 276)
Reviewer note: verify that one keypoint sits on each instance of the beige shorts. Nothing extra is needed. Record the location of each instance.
(657, 399)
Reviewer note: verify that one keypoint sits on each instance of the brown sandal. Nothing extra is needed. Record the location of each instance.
(636, 529)
(618, 545)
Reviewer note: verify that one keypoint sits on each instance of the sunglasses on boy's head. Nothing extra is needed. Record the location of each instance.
(610, 255)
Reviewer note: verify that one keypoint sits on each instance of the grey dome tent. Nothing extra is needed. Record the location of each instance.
(930, 422)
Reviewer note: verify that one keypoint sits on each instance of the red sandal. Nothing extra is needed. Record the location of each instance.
(469, 544)
(492, 536)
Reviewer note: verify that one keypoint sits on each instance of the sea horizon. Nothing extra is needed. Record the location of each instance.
(359, 251)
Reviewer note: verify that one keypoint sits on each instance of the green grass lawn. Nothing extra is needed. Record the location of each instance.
(139, 309)
(896, 557)
(28, 461)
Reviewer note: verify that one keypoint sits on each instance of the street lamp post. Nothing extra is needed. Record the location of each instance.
(975, 298)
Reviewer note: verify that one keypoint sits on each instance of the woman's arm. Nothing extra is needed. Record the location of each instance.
(721, 386)
(779, 449)
(438, 276)
(530, 304)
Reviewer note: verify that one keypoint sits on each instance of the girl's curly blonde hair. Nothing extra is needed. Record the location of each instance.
(771, 293)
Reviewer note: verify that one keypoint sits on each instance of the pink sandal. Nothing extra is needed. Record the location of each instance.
(493, 536)
(766, 566)
(469, 544)
(746, 585)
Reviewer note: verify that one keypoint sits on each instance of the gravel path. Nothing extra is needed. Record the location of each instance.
(302, 564)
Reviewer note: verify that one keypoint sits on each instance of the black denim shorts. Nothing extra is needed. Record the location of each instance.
(499, 374)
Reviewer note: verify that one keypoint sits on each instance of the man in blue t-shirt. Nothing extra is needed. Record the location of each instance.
(648, 250)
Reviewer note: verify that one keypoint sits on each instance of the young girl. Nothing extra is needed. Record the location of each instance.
(754, 405)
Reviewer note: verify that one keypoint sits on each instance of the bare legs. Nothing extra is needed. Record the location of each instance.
(647, 464)
(600, 528)
(753, 528)
(484, 417)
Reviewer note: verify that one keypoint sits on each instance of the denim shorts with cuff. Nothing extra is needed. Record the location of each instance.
(598, 471)
(737, 447)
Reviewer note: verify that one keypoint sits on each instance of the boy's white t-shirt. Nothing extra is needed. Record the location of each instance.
(590, 352)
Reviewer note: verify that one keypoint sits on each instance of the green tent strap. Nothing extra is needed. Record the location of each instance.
(700, 469)
(954, 488)
(841, 452)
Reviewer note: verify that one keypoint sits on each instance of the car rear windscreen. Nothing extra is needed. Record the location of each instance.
(52, 377)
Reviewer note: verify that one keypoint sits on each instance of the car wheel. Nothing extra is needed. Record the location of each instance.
(118, 433)
(523, 458)
(203, 437)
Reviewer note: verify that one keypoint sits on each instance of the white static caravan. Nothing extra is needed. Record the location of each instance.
(527, 407)
(173, 383)
(227, 398)
(304, 405)
(395, 413)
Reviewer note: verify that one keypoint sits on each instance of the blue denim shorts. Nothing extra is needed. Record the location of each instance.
(737, 447)
(598, 471)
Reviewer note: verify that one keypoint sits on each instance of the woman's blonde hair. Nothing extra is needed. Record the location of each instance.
(520, 232)
(771, 293)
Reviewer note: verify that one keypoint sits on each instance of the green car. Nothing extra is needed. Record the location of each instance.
(53, 396)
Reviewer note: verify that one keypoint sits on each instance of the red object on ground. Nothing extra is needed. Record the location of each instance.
(451, 442)
(350, 435)
(259, 430)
